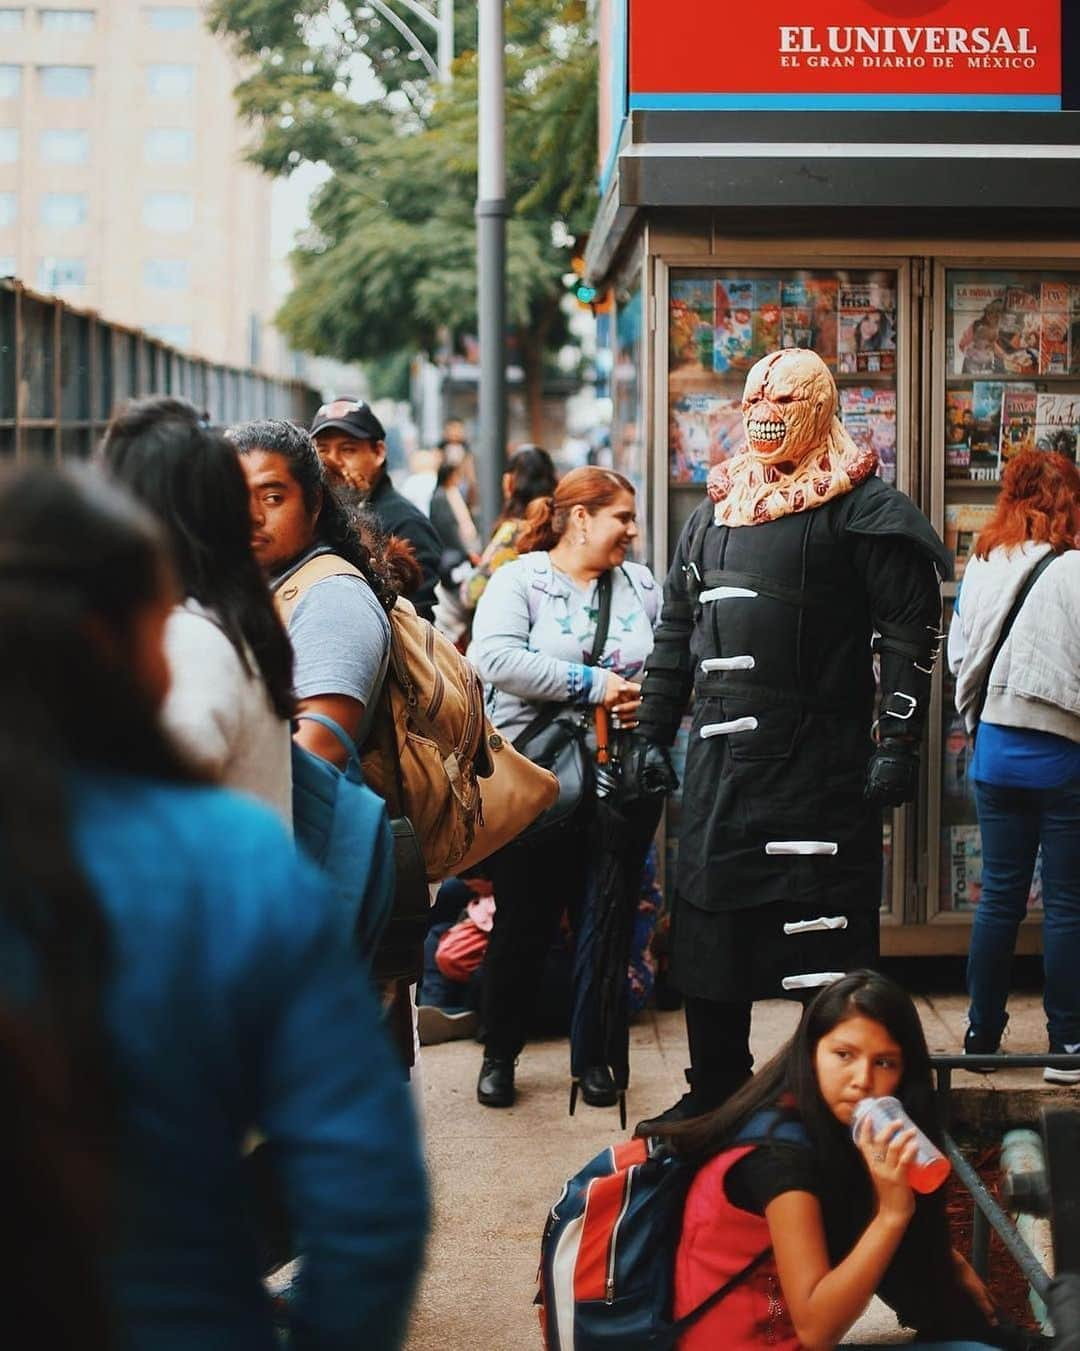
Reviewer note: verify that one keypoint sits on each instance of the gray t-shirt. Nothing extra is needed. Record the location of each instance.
(340, 636)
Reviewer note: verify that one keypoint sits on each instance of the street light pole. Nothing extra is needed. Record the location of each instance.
(491, 216)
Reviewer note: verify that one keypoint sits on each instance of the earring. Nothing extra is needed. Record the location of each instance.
(582, 539)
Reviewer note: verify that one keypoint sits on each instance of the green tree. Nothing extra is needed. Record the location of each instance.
(390, 259)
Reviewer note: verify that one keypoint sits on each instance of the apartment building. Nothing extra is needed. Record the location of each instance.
(122, 181)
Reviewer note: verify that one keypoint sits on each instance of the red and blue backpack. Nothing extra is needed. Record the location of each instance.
(607, 1258)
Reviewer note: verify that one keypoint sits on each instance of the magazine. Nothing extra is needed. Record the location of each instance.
(1054, 343)
(704, 430)
(1023, 296)
(955, 782)
(809, 315)
(870, 295)
(963, 521)
(865, 341)
(1017, 422)
(976, 309)
(691, 316)
(1054, 295)
(733, 342)
(1019, 339)
(961, 872)
(986, 396)
(1057, 423)
(869, 415)
(959, 421)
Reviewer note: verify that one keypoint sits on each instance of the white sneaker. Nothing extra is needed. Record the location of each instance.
(436, 1025)
(1058, 1076)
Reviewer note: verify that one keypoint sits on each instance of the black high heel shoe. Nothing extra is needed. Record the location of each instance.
(597, 1088)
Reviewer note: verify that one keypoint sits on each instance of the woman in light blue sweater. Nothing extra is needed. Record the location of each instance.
(182, 966)
(532, 638)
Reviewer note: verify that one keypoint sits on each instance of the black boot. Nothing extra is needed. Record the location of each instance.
(704, 1096)
(598, 1087)
(495, 1087)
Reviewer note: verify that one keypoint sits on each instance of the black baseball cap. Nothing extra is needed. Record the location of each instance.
(352, 416)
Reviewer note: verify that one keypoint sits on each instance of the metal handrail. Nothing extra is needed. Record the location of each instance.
(987, 1213)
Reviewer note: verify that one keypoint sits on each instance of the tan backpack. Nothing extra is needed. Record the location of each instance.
(428, 741)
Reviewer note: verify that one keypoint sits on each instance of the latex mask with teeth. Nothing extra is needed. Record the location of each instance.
(798, 454)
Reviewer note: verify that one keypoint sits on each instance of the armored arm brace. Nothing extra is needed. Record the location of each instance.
(906, 653)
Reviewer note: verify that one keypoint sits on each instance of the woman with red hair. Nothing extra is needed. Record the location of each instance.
(1022, 697)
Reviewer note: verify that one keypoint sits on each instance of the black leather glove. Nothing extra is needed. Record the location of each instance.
(646, 768)
(893, 772)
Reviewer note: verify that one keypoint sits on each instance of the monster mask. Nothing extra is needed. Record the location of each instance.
(799, 456)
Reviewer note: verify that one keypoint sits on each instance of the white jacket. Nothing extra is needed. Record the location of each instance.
(1035, 681)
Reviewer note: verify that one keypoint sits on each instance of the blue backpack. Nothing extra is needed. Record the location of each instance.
(607, 1258)
(341, 825)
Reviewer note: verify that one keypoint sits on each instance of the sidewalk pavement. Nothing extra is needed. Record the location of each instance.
(495, 1174)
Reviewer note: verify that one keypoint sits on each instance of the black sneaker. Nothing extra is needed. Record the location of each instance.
(978, 1043)
(1058, 1076)
(686, 1108)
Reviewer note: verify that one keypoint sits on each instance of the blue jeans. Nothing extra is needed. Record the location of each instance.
(1014, 823)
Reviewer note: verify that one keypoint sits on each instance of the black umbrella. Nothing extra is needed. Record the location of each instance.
(632, 779)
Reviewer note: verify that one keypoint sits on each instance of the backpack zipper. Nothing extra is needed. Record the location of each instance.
(439, 687)
(609, 1285)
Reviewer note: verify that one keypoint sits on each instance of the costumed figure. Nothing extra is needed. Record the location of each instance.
(785, 583)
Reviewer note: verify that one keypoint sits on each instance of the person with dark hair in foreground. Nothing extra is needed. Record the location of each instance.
(231, 697)
(838, 1213)
(183, 965)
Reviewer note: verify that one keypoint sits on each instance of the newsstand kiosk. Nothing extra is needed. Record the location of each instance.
(896, 184)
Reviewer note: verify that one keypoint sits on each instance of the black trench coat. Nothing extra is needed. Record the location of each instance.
(771, 626)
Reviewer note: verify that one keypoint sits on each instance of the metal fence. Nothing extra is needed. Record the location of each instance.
(63, 371)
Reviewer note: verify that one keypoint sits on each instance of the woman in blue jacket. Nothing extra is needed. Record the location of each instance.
(183, 965)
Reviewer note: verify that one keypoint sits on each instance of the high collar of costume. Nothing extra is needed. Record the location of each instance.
(748, 491)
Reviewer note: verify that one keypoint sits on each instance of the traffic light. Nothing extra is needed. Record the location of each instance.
(587, 296)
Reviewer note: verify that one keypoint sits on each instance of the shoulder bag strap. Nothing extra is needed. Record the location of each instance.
(1010, 619)
(290, 591)
(672, 1334)
(334, 727)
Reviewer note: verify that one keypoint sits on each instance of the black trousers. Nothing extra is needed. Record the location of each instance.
(719, 1039)
(533, 884)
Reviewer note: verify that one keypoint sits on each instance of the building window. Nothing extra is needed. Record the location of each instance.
(56, 273)
(168, 145)
(168, 210)
(177, 335)
(63, 209)
(170, 18)
(65, 147)
(7, 208)
(9, 145)
(170, 82)
(66, 82)
(68, 20)
(166, 274)
(11, 20)
(10, 81)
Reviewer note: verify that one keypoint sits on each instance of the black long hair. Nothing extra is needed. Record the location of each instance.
(333, 526)
(188, 475)
(533, 475)
(921, 1285)
(80, 562)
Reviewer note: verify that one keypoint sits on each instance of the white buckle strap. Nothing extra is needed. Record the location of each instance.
(823, 922)
(811, 981)
(727, 593)
(727, 728)
(744, 663)
(802, 847)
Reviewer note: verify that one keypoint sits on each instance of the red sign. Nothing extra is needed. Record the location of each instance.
(846, 53)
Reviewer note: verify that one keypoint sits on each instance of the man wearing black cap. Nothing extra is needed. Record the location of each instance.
(351, 443)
